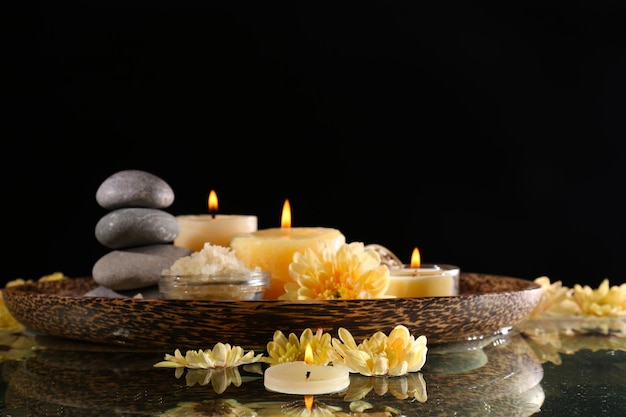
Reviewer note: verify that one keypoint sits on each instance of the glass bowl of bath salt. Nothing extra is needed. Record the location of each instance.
(249, 285)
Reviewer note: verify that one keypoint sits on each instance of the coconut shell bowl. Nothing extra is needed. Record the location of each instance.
(487, 305)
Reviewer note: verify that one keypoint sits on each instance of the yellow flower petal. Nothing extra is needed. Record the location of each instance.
(221, 356)
(557, 300)
(350, 272)
(282, 349)
(381, 355)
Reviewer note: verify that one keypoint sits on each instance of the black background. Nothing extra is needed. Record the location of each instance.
(491, 137)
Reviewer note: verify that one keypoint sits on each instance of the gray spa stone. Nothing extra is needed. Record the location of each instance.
(101, 291)
(147, 292)
(135, 268)
(129, 227)
(134, 188)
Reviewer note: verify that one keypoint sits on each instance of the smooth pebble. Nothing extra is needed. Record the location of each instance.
(136, 268)
(148, 292)
(131, 227)
(134, 188)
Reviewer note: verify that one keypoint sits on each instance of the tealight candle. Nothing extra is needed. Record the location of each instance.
(217, 229)
(273, 249)
(423, 280)
(305, 378)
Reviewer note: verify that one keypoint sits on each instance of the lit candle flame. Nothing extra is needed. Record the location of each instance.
(285, 220)
(415, 258)
(308, 355)
(212, 203)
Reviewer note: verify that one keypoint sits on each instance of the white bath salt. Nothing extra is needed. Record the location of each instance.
(210, 260)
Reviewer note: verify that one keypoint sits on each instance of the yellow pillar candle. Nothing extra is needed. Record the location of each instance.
(217, 229)
(423, 280)
(273, 249)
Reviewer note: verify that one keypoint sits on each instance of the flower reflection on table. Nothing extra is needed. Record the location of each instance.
(550, 344)
(410, 386)
(219, 378)
(214, 407)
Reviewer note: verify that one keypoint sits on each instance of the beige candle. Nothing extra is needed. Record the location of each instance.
(217, 229)
(423, 280)
(273, 249)
(306, 378)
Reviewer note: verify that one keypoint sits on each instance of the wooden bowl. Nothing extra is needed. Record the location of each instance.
(486, 305)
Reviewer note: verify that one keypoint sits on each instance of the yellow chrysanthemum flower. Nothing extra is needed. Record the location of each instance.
(282, 349)
(556, 299)
(381, 355)
(221, 356)
(351, 272)
(55, 276)
(604, 301)
(7, 321)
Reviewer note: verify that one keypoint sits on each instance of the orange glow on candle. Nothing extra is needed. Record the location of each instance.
(212, 202)
(415, 258)
(308, 402)
(285, 220)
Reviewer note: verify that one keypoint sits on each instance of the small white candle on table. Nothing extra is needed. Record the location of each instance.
(423, 280)
(306, 378)
(217, 229)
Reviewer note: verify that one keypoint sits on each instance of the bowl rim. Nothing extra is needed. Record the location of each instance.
(54, 308)
(43, 289)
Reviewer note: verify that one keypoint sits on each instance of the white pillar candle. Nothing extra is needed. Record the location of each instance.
(429, 280)
(217, 229)
(196, 230)
(306, 379)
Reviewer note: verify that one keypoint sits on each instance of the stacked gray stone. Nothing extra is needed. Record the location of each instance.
(138, 230)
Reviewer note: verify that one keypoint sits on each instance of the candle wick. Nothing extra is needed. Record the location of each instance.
(212, 214)
(308, 374)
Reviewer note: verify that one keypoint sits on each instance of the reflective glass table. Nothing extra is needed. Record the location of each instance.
(513, 374)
